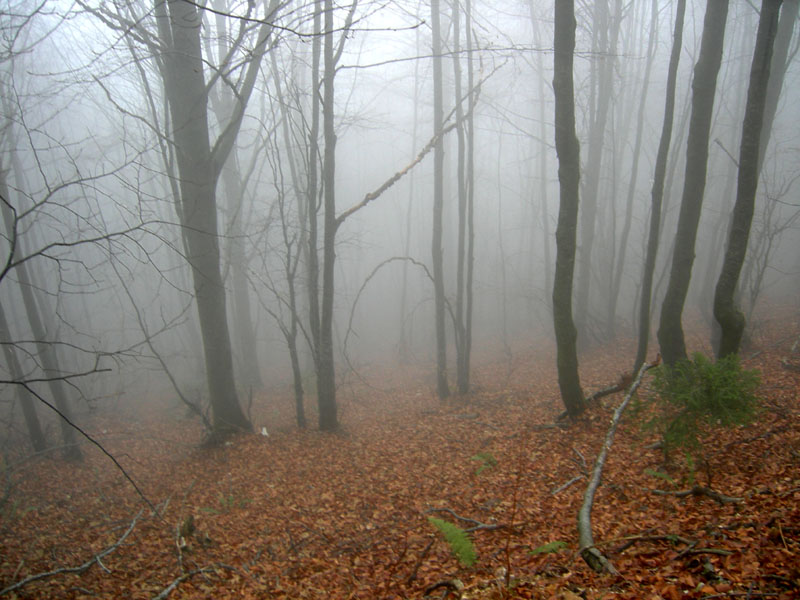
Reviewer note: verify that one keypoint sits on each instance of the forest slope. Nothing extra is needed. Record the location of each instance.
(312, 515)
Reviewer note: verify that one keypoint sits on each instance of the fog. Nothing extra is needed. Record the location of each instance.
(91, 172)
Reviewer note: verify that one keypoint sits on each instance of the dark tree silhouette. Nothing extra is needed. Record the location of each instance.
(568, 149)
(704, 86)
(729, 317)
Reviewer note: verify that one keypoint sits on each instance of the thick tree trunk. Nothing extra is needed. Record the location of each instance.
(442, 387)
(568, 150)
(657, 193)
(187, 95)
(704, 85)
(730, 318)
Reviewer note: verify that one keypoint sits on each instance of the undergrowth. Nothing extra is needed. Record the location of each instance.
(699, 393)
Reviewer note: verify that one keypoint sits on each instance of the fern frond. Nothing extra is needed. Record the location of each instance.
(458, 540)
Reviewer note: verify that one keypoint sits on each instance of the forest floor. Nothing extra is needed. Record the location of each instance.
(302, 514)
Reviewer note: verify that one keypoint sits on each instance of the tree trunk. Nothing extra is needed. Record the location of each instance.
(442, 387)
(326, 376)
(657, 193)
(568, 150)
(780, 62)
(730, 318)
(607, 26)
(186, 91)
(616, 279)
(26, 400)
(704, 84)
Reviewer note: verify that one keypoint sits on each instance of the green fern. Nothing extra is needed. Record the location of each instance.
(458, 540)
(487, 461)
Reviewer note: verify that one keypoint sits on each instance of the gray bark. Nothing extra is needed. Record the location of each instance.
(704, 84)
(729, 317)
(657, 192)
(568, 150)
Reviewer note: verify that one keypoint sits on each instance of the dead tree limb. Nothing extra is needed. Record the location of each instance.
(700, 490)
(476, 525)
(97, 558)
(593, 557)
(179, 580)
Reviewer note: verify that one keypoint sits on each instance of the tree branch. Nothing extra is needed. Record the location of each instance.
(80, 568)
(593, 557)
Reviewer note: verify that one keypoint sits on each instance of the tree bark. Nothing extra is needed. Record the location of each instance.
(616, 278)
(326, 377)
(657, 192)
(184, 83)
(442, 387)
(704, 84)
(568, 150)
(729, 317)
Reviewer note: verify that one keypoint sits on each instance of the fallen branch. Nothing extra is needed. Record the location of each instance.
(80, 568)
(476, 525)
(700, 490)
(564, 486)
(162, 595)
(422, 556)
(593, 557)
(691, 545)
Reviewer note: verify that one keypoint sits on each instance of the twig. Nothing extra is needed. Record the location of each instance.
(564, 486)
(422, 556)
(80, 568)
(96, 443)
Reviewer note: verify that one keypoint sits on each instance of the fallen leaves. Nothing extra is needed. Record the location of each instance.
(311, 515)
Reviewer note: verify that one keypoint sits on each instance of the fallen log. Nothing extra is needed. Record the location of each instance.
(593, 557)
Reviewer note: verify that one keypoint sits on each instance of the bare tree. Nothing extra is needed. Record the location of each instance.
(657, 191)
(568, 150)
(442, 387)
(704, 85)
(730, 318)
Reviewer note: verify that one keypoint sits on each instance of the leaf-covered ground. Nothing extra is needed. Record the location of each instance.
(312, 515)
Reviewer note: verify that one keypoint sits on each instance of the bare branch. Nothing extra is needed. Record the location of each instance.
(80, 568)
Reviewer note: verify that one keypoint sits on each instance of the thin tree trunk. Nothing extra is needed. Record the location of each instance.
(657, 193)
(778, 66)
(608, 27)
(47, 357)
(442, 387)
(730, 318)
(704, 84)
(326, 376)
(568, 150)
(616, 282)
(26, 400)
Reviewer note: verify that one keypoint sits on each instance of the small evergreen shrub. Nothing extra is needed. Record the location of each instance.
(458, 540)
(700, 392)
